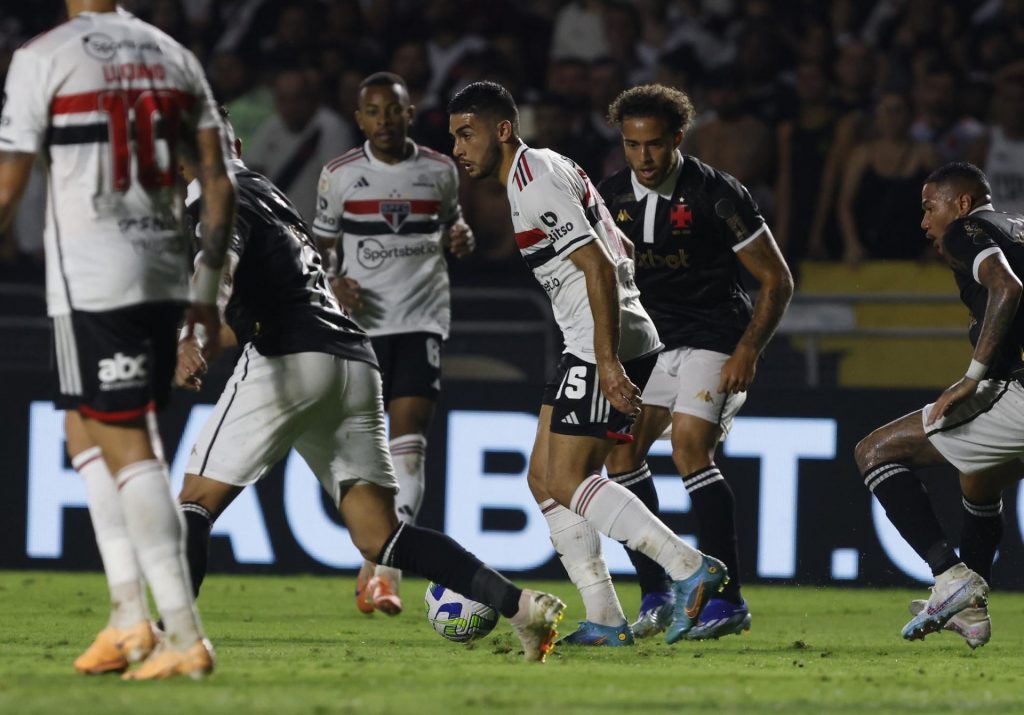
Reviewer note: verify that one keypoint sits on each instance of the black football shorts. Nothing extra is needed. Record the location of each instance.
(410, 364)
(579, 407)
(116, 365)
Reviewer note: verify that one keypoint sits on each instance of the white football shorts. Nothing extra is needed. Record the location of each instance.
(985, 431)
(686, 380)
(328, 408)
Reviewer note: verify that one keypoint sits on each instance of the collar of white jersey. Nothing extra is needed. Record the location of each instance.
(665, 188)
(378, 164)
(118, 10)
(515, 162)
(985, 207)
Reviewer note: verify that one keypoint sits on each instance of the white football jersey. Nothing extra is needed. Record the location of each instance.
(555, 210)
(1004, 167)
(106, 97)
(389, 220)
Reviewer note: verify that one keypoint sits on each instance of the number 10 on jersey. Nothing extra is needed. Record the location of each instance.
(152, 118)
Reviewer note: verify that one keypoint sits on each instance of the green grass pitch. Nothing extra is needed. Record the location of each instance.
(298, 645)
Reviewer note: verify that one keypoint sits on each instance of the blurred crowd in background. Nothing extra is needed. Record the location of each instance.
(830, 111)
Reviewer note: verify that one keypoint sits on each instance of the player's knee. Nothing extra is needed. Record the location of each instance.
(624, 458)
(369, 543)
(536, 477)
(689, 457)
(866, 453)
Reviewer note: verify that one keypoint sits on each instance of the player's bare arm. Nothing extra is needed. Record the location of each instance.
(764, 260)
(191, 364)
(15, 167)
(216, 223)
(346, 290)
(1004, 292)
(459, 239)
(602, 294)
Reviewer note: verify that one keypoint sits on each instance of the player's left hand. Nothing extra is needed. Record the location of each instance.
(461, 241)
(619, 390)
(951, 398)
(738, 371)
(190, 366)
(208, 316)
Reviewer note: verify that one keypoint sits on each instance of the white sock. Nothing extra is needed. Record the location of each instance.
(617, 513)
(579, 547)
(124, 580)
(157, 530)
(407, 454)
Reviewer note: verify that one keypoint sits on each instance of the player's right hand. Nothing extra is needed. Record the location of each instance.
(347, 291)
(207, 316)
(190, 366)
(618, 389)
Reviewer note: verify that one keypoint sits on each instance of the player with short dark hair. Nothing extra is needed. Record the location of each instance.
(308, 378)
(693, 227)
(576, 253)
(389, 208)
(975, 425)
(110, 101)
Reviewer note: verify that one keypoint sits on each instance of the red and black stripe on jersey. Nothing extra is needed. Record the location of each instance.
(522, 174)
(689, 276)
(963, 241)
(533, 236)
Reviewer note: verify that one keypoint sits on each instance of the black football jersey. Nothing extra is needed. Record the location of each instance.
(978, 236)
(281, 300)
(686, 267)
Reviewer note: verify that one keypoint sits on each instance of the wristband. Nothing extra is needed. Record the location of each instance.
(977, 371)
(205, 284)
(198, 332)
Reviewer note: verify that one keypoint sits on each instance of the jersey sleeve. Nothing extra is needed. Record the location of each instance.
(327, 223)
(553, 205)
(967, 244)
(24, 112)
(736, 208)
(450, 210)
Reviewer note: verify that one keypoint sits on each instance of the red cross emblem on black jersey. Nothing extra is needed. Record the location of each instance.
(680, 216)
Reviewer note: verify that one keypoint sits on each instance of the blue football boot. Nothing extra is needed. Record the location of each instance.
(720, 618)
(593, 634)
(655, 614)
(692, 594)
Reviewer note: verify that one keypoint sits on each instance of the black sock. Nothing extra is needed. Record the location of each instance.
(441, 559)
(197, 541)
(652, 577)
(715, 508)
(906, 504)
(979, 539)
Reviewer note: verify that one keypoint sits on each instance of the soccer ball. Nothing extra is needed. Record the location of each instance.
(456, 617)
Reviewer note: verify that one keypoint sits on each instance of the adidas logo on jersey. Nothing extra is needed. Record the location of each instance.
(122, 368)
(570, 419)
(362, 183)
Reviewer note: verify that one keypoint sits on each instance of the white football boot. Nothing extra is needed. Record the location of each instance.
(956, 589)
(972, 624)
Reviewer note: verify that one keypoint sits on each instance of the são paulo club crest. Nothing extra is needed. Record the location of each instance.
(395, 213)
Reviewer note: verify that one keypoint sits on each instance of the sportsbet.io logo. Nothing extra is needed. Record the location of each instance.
(372, 254)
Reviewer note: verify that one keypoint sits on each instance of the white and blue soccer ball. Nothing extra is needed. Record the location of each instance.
(456, 617)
